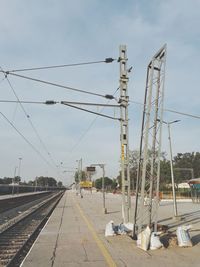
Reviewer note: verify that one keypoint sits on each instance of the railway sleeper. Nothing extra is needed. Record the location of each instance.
(8, 254)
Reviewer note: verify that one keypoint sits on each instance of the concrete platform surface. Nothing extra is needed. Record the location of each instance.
(74, 236)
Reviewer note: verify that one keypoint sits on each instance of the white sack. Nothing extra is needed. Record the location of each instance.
(144, 239)
(155, 241)
(128, 226)
(183, 236)
(109, 229)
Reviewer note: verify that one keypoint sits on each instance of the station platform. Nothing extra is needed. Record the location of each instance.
(20, 195)
(74, 236)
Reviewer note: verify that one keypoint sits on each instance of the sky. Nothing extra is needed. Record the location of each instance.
(54, 32)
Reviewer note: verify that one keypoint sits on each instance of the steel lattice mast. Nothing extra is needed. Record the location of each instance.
(148, 176)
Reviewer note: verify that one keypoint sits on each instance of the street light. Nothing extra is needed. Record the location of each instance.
(35, 188)
(79, 177)
(171, 166)
(19, 169)
(13, 181)
(102, 166)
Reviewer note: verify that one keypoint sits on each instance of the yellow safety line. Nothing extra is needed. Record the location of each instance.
(100, 244)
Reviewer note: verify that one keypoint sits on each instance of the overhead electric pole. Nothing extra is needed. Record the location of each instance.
(124, 101)
(148, 176)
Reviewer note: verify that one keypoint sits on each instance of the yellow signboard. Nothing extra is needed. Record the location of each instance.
(86, 184)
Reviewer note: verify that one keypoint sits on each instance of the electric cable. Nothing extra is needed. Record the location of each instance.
(28, 102)
(31, 123)
(107, 60)
(182, 113)
(56, 85)
(90, 126)
(95, 104)
(25, 139)
(171, 110)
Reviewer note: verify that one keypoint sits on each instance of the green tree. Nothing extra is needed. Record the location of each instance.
(17, 179)
(80, 175)
(186, 160)
(134, 161)
(46, 181)
(60, 184)
(107, 183)
(165, 173)
(7, 180)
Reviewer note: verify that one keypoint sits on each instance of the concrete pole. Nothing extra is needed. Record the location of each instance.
(124, 100)
(192, 173)
(103, 189)
(79, 177)
(81, 192)
(102, 166)
(35, 184)
(172, 172)
(13, 181)
(19, 169)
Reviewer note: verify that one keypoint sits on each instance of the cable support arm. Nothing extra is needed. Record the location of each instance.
(56, 85)
(47, 102)
(90, 104)
(89, 111)
(52, 102)
(107, 60)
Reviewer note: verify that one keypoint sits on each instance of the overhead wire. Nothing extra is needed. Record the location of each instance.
(183, 113)
(3, 79)
(26, 102)
(107, 60)
(13, 72)
(54, 84)
(171, 110)
(15, 112)
(31, 123)
(89, 127)
(26, 140)
(96, 104)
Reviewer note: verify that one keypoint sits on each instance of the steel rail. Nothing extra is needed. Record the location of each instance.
(13, 202)
(16, 240)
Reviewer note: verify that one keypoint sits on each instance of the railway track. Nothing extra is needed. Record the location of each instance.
(13, 202)
(17, 238)
(10, 212)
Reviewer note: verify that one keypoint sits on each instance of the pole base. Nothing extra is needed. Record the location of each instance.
(177, 218)
(134, 237)
(104, 210)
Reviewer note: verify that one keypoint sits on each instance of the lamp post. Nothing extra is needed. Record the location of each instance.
(171, 167)
(35, 188)
(78, 186)
(19, 169)
(102, 166)
(13, 181)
